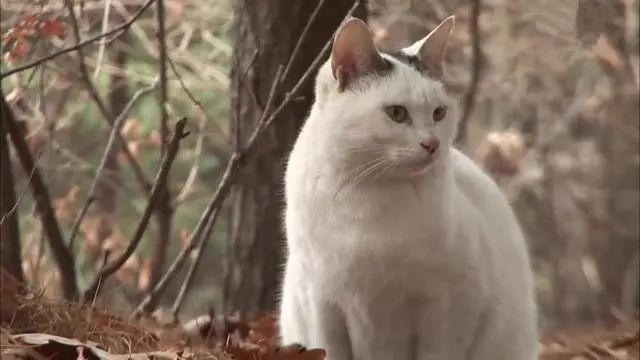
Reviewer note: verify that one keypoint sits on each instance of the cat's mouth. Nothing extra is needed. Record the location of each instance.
(422, 165)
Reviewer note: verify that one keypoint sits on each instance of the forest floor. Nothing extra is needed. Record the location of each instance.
(34, 327)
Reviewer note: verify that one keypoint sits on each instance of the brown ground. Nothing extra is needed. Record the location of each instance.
(58, 330)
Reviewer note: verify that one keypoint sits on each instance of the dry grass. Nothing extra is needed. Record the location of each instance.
(29, 312)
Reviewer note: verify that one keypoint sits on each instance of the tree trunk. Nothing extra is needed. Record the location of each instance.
(10, 254)
(617, 241)
(272, 28)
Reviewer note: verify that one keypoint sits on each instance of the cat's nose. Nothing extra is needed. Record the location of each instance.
(430, 145)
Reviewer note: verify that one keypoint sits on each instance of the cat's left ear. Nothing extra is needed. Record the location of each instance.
(431, 49)
(354, 53)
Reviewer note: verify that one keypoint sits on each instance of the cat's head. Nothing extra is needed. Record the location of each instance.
(386, 112)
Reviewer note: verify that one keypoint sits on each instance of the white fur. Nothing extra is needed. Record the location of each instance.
(417, 259)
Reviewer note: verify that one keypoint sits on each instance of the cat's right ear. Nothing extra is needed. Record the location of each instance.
(354, 53)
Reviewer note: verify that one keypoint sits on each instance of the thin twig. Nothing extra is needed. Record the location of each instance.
(296, 50)
(192, 97)
(117, 126)
(160, 181)
(200, 250)
(193, 172)
(234, 164)
(470, 97)
(24, 191)
(95, 96)
(120, 28)
(40, 193)
(103, 43)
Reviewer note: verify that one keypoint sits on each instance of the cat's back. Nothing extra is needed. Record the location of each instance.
(483, 193)
(504, 260)
(503, 246)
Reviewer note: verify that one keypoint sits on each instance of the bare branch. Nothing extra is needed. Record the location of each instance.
(61, 254)
(93, 92)
(164, 210)
(10, 253)
(236, 162)
(160, 181)
(193, 172)
(470, 97)
(296, 50)
(200, 249)
(192, 97)
(117, 126)
(162, 62)
(81, 44)
(23, 193)
(103, 43)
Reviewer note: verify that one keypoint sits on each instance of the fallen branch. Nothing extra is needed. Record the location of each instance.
(236, 162)
(160, 181)
(61, 255)
(81, 44)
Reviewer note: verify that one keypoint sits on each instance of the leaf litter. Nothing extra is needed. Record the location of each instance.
(35, 327)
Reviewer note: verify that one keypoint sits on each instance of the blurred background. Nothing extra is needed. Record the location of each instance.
(549, 92)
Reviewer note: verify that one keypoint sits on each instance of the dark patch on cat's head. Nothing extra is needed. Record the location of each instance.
(383, 69)
(411, 60)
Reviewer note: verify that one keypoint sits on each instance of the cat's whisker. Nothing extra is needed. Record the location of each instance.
(390, 165)
(348, 177)
(371, 170)
(350, 181)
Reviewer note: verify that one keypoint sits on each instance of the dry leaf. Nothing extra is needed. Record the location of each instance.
(51, 28)
(285, 353)
(128, 272)
(605, 51)
(503, 152)
(64, 206)
(144, 274)
(154, 139)
(131, 130)
(59, 348)
(184, 237)
(9, 289)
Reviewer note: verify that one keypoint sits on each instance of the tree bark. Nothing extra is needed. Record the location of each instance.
(61, 255)
(10, 254)
(272, 28)
(164, 213)
(616, 239)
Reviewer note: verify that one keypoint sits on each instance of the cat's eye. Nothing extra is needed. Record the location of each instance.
(397, 113)
(439, 113)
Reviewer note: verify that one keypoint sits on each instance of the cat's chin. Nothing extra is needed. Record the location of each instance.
(422, 167)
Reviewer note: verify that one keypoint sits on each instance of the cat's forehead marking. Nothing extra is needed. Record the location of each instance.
(410, 60)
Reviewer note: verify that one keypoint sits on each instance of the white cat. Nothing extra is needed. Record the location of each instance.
(399, 246)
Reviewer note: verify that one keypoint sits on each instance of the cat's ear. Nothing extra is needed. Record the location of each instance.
(431, 49)
(354, 53)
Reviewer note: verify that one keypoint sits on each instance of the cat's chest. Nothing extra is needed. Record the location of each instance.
(369, 243)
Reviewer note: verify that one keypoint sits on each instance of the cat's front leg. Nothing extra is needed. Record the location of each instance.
(382, 330)
(446, 329)
(432, 330)
(329, 331)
